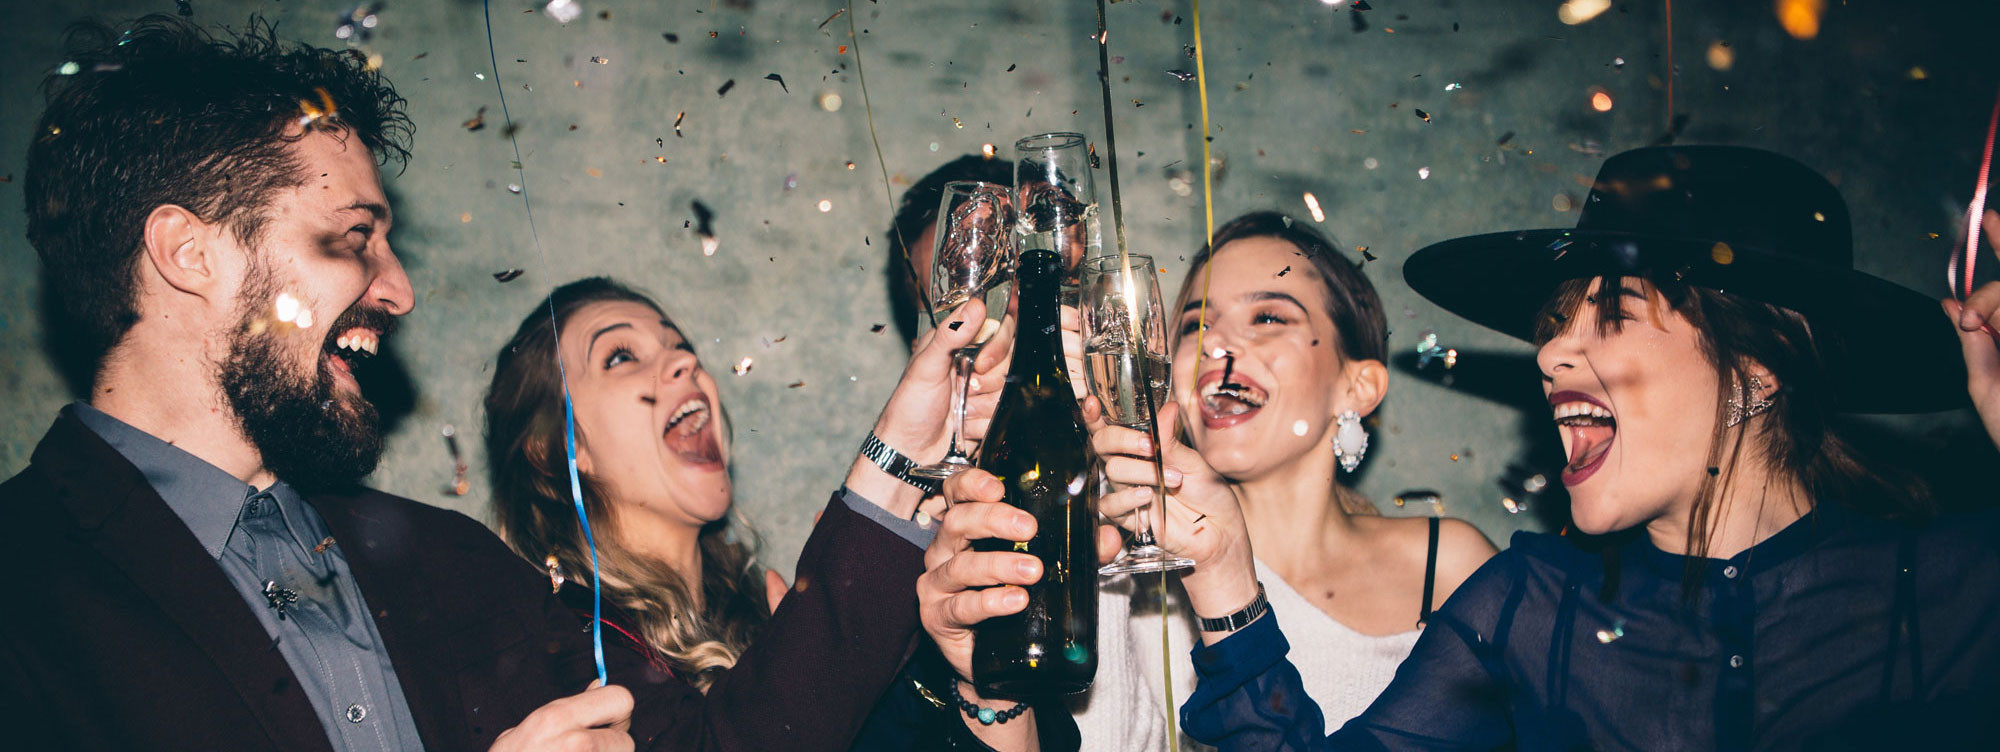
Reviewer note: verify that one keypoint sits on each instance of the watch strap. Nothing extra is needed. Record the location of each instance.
(1242, 618)
(896, 464)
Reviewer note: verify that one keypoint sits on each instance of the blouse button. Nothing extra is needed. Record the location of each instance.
(1735, 661)
(1729, 571)
(355, 713)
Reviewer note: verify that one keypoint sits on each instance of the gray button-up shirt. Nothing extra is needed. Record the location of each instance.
(276, 551)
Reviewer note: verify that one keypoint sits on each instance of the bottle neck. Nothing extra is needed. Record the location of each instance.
(1038, 338)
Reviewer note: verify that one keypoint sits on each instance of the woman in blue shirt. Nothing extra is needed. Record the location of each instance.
(1745, 581)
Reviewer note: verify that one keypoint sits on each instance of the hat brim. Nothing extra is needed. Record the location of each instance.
(1886, 348)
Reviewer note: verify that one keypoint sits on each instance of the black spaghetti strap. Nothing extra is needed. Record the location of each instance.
(1430, 572)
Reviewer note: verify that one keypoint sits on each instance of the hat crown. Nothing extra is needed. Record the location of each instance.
(1746, 198)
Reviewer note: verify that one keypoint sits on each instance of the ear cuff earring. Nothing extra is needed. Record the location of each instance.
(1749, 402)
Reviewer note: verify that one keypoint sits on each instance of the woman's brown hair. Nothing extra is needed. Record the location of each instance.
(1799, 440)
(527, 462)
(1351, 301)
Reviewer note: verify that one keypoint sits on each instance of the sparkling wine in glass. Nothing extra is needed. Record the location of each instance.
(1056, 199)
(973, 258)
(1125, 362)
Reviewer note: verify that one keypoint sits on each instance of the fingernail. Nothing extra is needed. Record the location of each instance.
(1014, 598)
(1969, 320)
(1172, 475)
(1144, 492)
(1145, 443)
(1029, 569)
(1024, 526)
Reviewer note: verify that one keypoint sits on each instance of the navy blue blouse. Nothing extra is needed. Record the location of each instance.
(1837, 632)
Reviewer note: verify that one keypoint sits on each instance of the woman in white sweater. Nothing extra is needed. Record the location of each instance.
(1272, 395)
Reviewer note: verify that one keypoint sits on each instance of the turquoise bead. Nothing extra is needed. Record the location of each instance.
(986, 716)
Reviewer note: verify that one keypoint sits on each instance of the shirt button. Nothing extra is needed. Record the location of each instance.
(1735, 661)
(1729, 571)
(355, 713)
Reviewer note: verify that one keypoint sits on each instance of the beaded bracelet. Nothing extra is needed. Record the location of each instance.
(986, 716)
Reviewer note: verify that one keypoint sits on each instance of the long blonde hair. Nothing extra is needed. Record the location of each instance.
(527, 465)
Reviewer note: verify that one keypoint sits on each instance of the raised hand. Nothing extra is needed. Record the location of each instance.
(1201, 518)
(594, 720)
(1974, 320)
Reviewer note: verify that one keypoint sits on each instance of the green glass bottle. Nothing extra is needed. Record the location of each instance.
(1037, 447)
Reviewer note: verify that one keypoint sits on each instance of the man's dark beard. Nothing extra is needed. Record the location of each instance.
(308, 437)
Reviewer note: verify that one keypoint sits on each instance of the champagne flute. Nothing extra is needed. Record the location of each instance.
(1125, 363)
(972, 257)
(1057, 201)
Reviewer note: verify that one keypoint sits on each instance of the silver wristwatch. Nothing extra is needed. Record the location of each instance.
(895, 464)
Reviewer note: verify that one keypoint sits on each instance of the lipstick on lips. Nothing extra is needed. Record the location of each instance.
(1591, 428)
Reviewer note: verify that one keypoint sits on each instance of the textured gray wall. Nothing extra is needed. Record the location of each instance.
(1301, 100)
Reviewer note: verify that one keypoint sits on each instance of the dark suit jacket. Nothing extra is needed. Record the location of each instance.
(125, 634)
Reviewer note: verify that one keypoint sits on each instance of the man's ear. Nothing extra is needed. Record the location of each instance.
(1362, 386)
(175, 248)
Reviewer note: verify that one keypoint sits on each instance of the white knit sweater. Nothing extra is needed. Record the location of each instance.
(1125, 709)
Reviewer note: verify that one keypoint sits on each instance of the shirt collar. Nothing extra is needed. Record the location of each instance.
(1809, 529)
(206, 498)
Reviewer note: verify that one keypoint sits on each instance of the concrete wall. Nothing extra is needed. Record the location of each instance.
(1303, 99)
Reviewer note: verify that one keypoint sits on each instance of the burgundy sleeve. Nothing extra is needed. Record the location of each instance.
(835, 644)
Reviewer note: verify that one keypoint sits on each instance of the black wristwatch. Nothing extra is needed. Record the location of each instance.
(895, 464)
(1240, 619)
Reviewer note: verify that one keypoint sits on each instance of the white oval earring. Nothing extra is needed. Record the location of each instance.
(1350, 440)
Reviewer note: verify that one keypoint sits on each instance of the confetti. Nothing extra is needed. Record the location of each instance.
(563, 11)
(1370, 163)
(184, 7)
(1182, 75)
(600, 60)
(1429, 350)
(743, 366)
(1581, 11)
(477, 121)
(69, 69)
(459, 484)
(1424, 115)
(503, 277)
(1600, 100)
(1285, 271)
(829, 19)
(1722, 254)
(1617, 630)
(791, 181)
(1801, 17)
(1312, 205)
(1453, 86)
(780, 80)
(825, 206)
(796, 384)
(556, 577)
(1535, 483)
(1422, 496)
(287, 307)
(987, 151)
(1298, 428)
(357, 24)
(671, 37)
(829, 102)
(1365, 255)
(1513, 507)
(877, 329)
(1720, 56)
(726, 86)
(1423, 173)
(677, 123)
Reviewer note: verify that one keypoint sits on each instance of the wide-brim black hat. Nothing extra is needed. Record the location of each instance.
(1742, 221)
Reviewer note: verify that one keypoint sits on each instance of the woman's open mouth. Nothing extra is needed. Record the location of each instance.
(1229, 402)
(1590, 429)
(690, 433)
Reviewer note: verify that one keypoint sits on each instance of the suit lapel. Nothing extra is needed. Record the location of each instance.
(129, 525)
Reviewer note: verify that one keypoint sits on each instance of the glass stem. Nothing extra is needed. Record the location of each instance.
(961, 366)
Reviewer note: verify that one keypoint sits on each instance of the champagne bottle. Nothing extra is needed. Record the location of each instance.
(1037, 447)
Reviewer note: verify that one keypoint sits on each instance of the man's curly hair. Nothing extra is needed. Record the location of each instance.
(166, 113)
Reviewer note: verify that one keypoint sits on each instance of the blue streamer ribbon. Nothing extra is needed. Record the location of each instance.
(569, 407)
